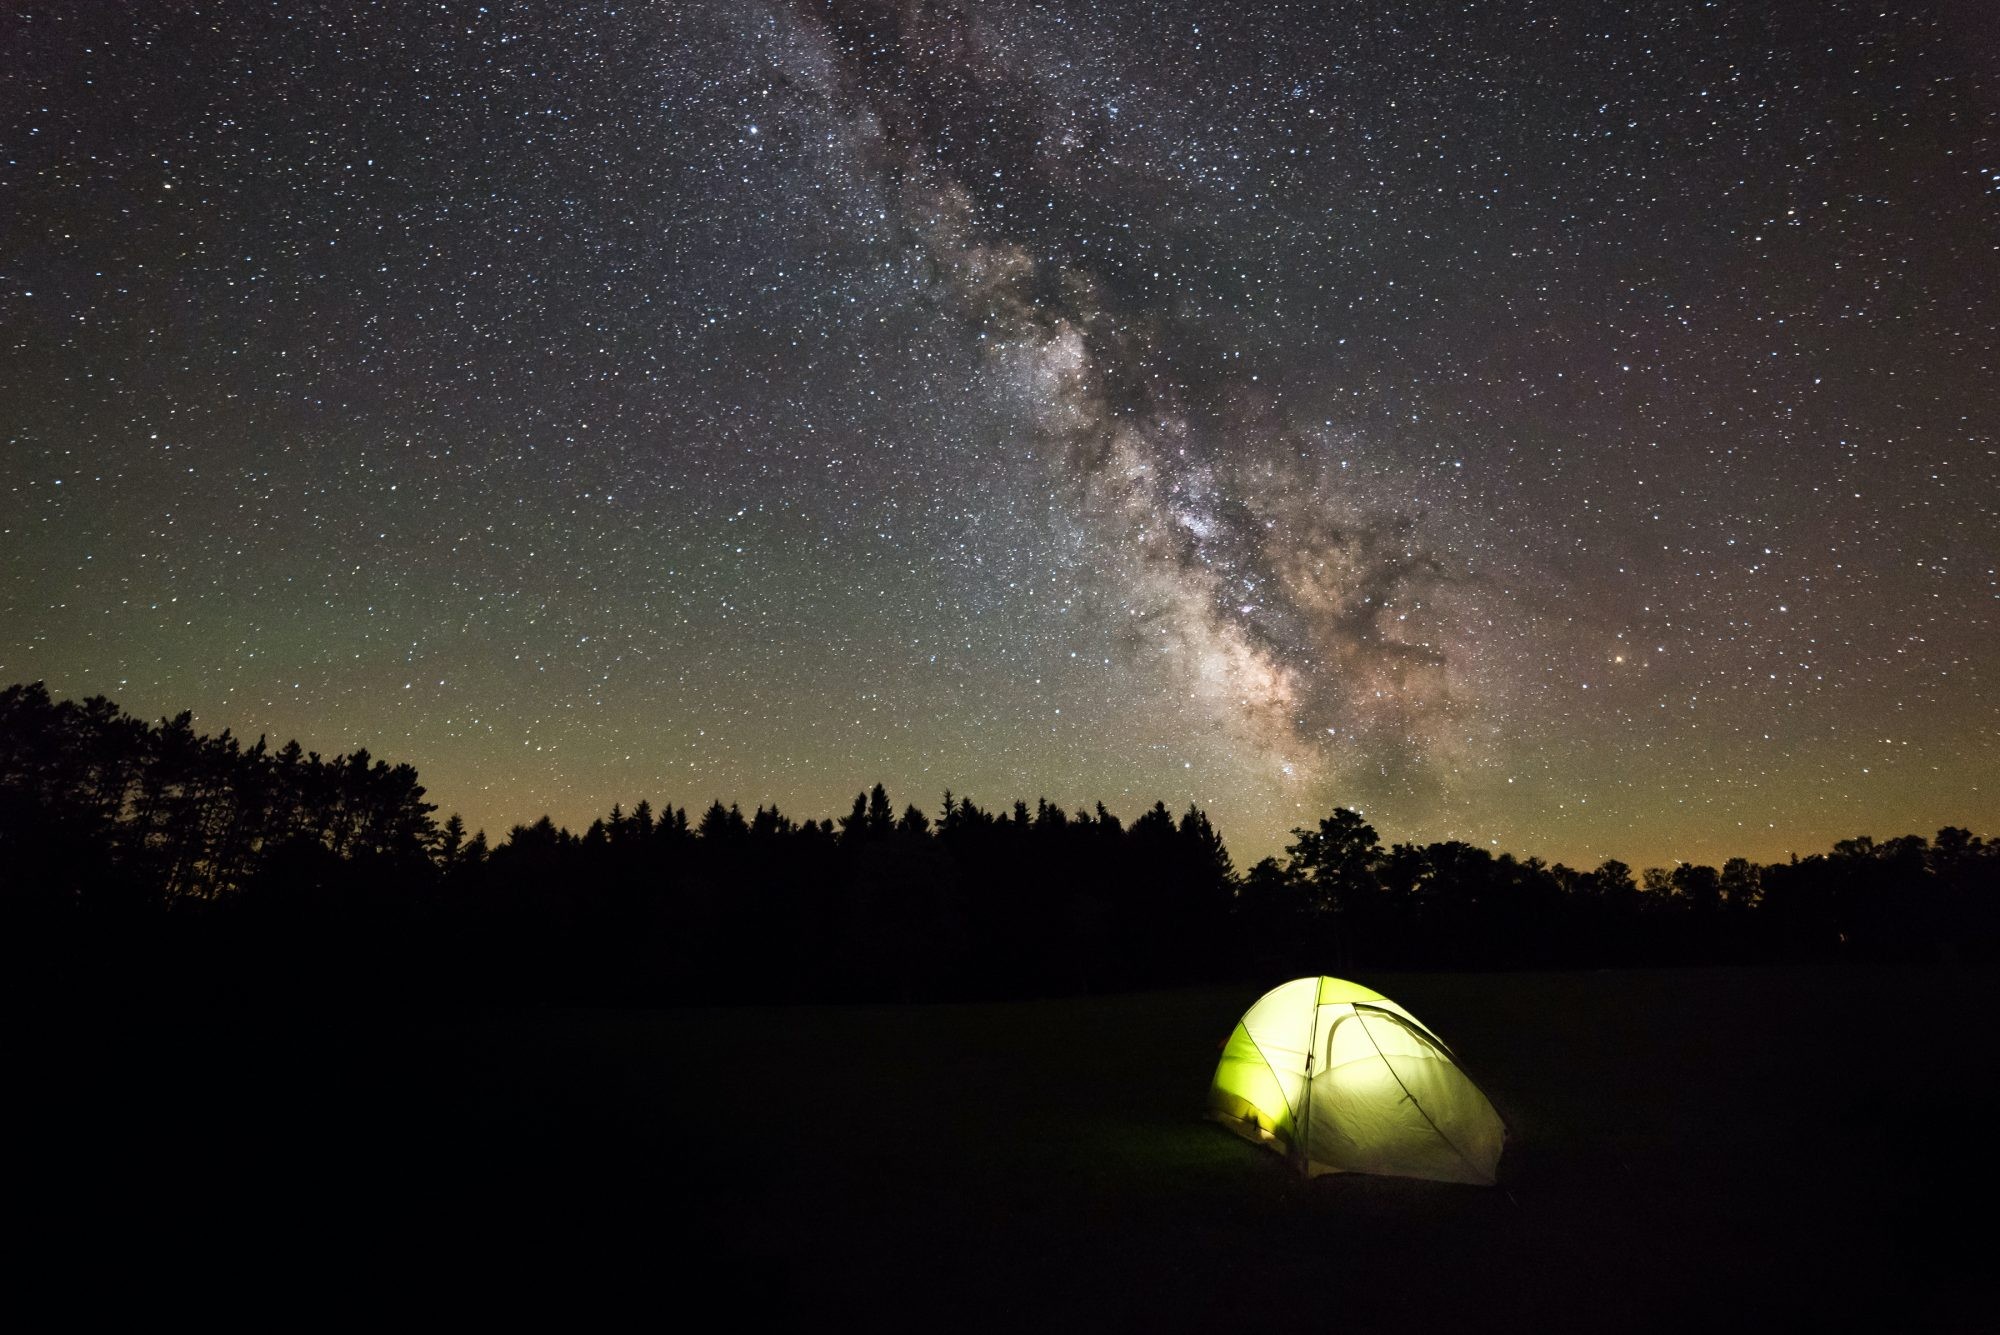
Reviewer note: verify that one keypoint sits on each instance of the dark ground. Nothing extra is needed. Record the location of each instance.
(1778, 1148)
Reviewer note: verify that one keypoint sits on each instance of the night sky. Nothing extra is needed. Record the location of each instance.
(1564, 427)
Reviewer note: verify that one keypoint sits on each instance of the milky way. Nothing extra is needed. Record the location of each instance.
(1562, 428)
(1284, 609)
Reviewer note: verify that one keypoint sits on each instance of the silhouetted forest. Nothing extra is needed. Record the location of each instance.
(150, 860)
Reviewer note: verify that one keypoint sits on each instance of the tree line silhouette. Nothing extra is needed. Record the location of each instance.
(149, 859)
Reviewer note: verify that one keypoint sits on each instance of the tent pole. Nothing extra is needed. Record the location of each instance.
(1306, 1099)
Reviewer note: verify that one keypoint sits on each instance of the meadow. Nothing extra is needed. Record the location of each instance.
(1781, 1147)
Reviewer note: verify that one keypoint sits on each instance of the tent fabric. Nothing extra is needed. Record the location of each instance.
(1346, 1081)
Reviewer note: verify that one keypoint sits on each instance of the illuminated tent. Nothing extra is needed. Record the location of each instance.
(1344, 1080)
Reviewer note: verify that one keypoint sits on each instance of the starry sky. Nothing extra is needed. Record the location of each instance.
(1566, 427)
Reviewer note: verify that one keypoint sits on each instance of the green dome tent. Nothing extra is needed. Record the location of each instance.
(1346, 1081)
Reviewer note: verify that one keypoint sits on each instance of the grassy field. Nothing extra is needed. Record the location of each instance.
(1759, 1147)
